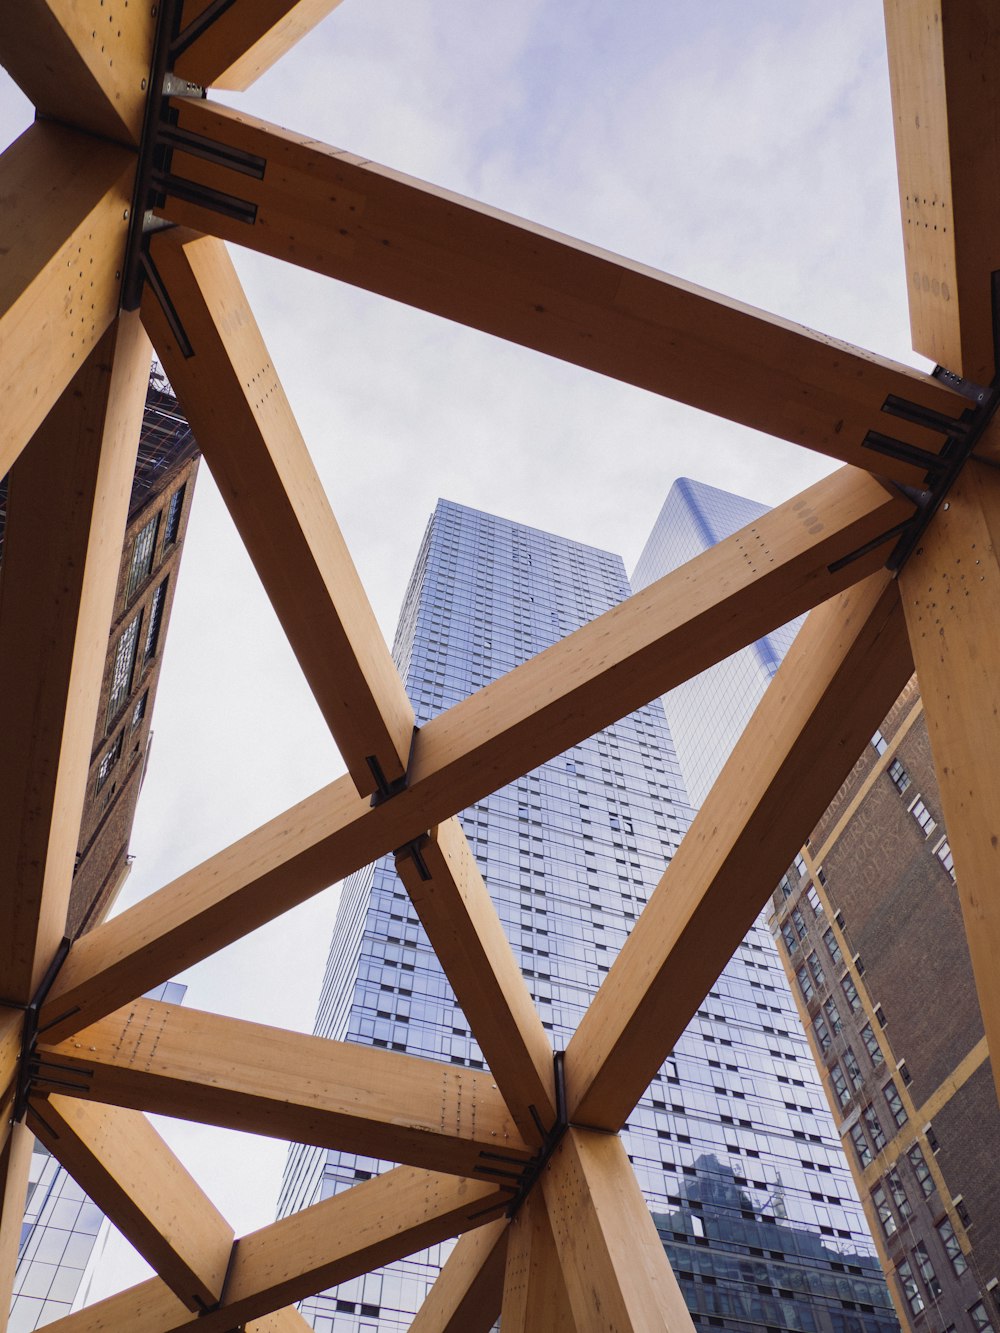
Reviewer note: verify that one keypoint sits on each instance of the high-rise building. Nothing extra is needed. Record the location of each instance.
(732, 1143)
(707, 714)
(63, 1231)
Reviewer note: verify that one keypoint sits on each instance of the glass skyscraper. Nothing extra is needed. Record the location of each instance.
(708, 713)
(732, 1143)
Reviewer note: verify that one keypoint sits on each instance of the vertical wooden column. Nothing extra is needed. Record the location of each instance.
(67, 508)
(951, 597)
(15, 1161)
(616, 1271)
(534, 1291)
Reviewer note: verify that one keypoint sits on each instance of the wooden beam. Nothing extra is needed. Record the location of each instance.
(950, 589)
(467, 1293)
(534, 1291)
(230, 393)
(245, 39)
(11, 1030)
(456, 911)
(222, 1071)
(373, 1224)
(64, 203)
(15, 1165)
(841, 676)
(729, 596)
(67, 509)
(345, 217)
(136, 1180)
(944, 69)
(81, 66)
(615, 1267)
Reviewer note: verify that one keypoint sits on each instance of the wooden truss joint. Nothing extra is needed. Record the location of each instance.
(29, 1062)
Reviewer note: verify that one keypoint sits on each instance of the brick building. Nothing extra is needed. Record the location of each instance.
(166, 466)
(872, 939)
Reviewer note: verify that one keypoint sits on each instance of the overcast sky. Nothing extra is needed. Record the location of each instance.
(746, 146)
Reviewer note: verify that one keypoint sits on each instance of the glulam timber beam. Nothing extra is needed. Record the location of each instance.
(763, 576)
(467, 1293)
(83, 65)
(950, 589)
(534, 1291)
(455, 908)
(842, 674)
(345, 217)
(223, 1071)
(11, 1037)
(64, 209)
(230, 393)
(370, 1225)
(617, 1275)
(243, 41)
(15, 1167)
(68, 496)
(944, 70)
(127, 1169)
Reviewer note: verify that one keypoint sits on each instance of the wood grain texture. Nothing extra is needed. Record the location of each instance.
(467, 1293)
(944, 66)
(232, 397)
(128, 1170)
(534, 1290)
(950, 590)
(341, 215)
(15, 1164)
(182, 1062)
(246, 39)
(67, 509)
(462, 924)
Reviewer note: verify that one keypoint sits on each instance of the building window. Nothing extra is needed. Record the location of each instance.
(800, 866)
(805, 984)
(139, 711)
(822, 1033)
(121, 672)
(840, 1088)
(785, 885)
(899, 1198)
(812, 897)
(881, 1202)
(896, 1108)
(952, 1248)
(861, 1147)
(851, 991)
(788, 935)
(830, 940)
(174, 517)
(142, 557)
(853, 1069)
(832, 1014)
(922, 815)
(111, 758)
(908, 1283)
(921, 1170)
(155, 619)
(980, 1319)
(899, 775)
(874, 1127)
(799, 922)
(943, 854)
(963, 1212)
(926, 1270)
(815, 967)
(879, 743)
(871, 1045)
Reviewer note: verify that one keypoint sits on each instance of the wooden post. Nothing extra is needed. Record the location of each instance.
(613, 1262)
(455, 908)
(231, 395)
(467, 1294)
(68, 504)
(64, 208)
(15, 1165)
(950, 590)
(126, 1168)
(534, 1289)
(245, 40)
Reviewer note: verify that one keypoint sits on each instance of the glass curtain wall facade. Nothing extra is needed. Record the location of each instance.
(732, 1142)
(708, 713)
